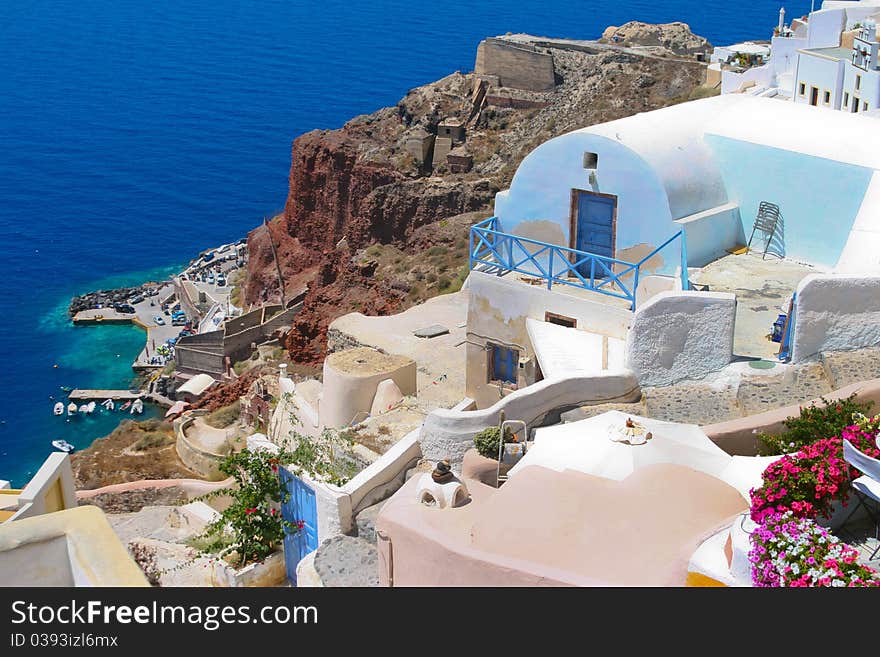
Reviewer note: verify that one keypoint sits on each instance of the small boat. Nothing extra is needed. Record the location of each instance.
(58, 409)
(71, 409)
(137, 407)
(63, 445)
(84, 408)
(91, 407)
(108, 404)
(125, 406)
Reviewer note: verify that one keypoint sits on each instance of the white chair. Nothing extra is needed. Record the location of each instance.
(866, 486)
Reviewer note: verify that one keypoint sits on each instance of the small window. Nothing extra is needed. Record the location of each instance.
(858, 82)
(802, 89)
(562, 320)
(503, 362)
(865, 106)
(826, 99)
(846, 99)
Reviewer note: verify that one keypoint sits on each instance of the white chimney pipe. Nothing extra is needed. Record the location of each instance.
(781, 19)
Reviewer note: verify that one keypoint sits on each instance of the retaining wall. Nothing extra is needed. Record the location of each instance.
(681, 335)
(835, 313)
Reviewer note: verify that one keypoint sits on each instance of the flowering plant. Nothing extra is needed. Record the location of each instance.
(809, 481)
(252, 525)
(791, 551)
(814, 421)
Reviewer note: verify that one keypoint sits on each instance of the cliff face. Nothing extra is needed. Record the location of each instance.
(365, 186)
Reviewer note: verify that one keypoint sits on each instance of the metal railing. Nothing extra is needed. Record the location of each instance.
(495, 249)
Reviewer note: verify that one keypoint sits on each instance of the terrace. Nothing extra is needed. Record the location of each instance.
(494, 251)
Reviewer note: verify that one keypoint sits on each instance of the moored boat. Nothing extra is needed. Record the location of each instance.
(58, 409)
(63, 445)
(108, 404)
(90, 407)
(125, 406)
(71, 408)
(137, 407)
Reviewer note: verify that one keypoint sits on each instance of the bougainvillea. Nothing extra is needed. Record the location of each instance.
(791, 551)
(809, 481)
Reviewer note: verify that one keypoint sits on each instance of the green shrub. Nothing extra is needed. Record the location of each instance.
(437, 250)
(152, 439)
(487, 442)
(815, 422)
(223, 417)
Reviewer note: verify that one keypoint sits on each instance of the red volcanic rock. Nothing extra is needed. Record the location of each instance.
(335, 195)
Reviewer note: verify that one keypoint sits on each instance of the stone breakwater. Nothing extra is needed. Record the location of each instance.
(111, 298)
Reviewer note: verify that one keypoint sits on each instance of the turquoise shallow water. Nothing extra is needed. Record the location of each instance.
(138, 133)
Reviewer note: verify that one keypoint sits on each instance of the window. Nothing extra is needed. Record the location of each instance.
(814, 96)
(865, 106)
(858, 82)
(826, 98)
(503, 362)
(562, 320)
(846, 99)
(802, 89)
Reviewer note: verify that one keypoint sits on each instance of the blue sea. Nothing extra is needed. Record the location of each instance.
(135, 134)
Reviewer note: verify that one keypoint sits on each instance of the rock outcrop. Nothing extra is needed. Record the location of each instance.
(674, 38)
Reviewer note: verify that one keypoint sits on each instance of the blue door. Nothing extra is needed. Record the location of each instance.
(594, 231)
(301, 506)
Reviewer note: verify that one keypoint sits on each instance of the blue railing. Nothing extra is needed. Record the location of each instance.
(497, 250)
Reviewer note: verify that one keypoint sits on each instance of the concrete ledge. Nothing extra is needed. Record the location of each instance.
(449, 434)
(198, 460)
(740, 436)
(75, 547)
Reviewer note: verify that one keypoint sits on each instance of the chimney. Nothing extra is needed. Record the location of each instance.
(781, 20)
(283, 370)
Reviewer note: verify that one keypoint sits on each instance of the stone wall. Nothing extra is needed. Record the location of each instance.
(516, 65)
(835, 313)
(449, 433)
(201, 353)
(681, 335)
(238, 345)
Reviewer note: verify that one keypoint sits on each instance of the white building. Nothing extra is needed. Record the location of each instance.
(827, 59)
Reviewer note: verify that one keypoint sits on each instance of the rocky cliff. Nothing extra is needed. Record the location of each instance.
(372, 185)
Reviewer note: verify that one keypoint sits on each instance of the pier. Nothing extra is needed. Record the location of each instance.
(101, 395)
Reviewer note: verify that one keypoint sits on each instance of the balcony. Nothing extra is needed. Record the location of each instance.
(492, 250)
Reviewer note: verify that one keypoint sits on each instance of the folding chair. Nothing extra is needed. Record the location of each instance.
(765, 222)
(865, 487)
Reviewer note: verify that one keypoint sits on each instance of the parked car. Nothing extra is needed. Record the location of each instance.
(136, 299)
(158, 319)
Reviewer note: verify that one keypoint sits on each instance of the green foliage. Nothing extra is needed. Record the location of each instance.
(814, 423)
(153, 439)
(327, 457)
(240, 367)
(252, 525)
(488, 440)
(223, 417)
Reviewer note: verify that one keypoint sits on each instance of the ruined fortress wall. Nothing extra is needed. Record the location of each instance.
(238, 345)
(516, 65)
(193, 360)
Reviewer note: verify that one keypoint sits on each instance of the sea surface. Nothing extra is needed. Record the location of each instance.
(135, 134)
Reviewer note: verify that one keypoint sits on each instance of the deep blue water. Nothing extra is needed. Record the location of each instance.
(135, 134)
